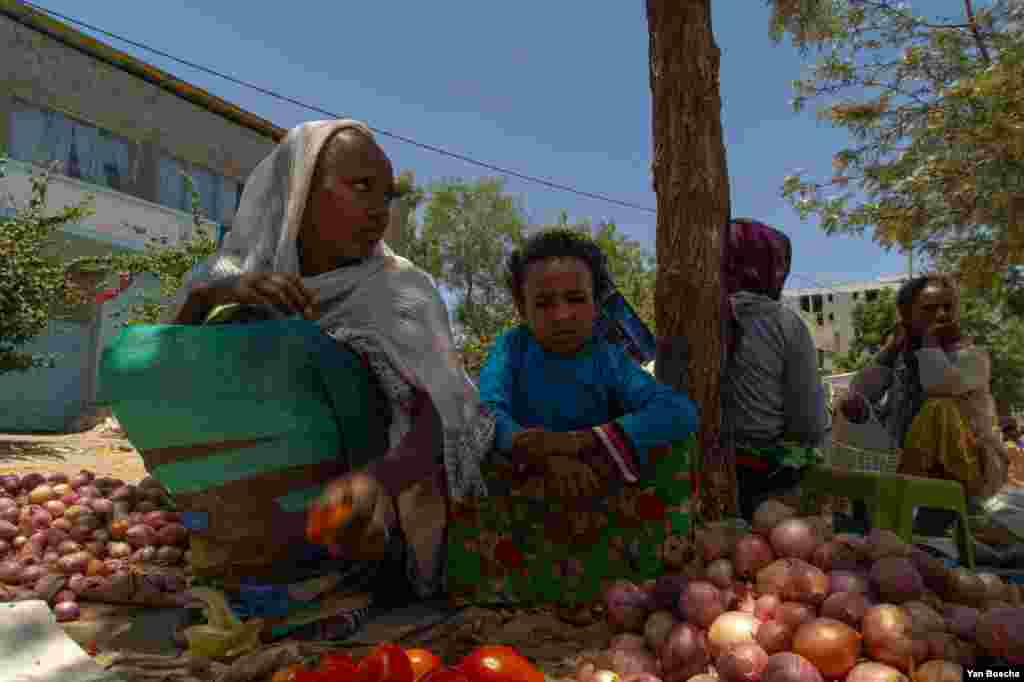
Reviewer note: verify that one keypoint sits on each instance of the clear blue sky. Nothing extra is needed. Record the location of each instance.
(552, 89)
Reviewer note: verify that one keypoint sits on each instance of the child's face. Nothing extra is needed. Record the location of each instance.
(558, 304)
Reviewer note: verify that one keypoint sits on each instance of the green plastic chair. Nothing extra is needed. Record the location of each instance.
(891, 499)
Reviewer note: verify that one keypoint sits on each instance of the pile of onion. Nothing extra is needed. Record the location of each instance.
(791, 602)
(58, 533)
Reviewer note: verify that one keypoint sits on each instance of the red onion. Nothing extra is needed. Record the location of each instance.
(80, 533)
(97, 549)
(66, 610)
(846, 607)
(8, 531)
(146, 554)
(141, 535)
(942, 646)
(11, 483)
(70, 499)
(65, 595)
(96, 567)
(743, 663)
(633, 661)
(55, 508)
(170, 555)
(627, 640)
(89, 521)
(146, 507)
(656, 629)
(74, 563)
(923, 619)
(41, 494)
(30, 575)
(729, 629)
(1000, 633)
(101, 535)
(10, 514)
(770, 514)
(34, 517)
(108, 482)
(51, 557)
(115, 565)
(87, 491)
(807, 583)
(5, 547)
(101, 506)
(875, 672)
(19, 541)
(794, 539)
(667, 589)
(32, 480)
(626, 604)
(123, 494)
(848, 581)
(794, 614)
(887, 631)
(833, 555)
(962, 621)
(55, 536)
(62, 525)
(897, 579)
(57, 478)
(720, 573)
(831, 646)
(684, 654)
(62, 489)
(767, 606)
(752, 553)
(74, 511)
(37, 543)
(176, 534)
(76, 583)
(789, 667)
(10, 572)
(774, 637)
(701, 603)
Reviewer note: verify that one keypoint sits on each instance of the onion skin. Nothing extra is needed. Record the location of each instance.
(701, 603)
(794, 539)
(720, 573)
(767, 607)
(831, 556)
(634, 661)
(846, 607)
(848, 581)
(832, 646)
(794, 614)
(684, 654)
(774, 637)
(966, 588)
(743, 663)
(751, 554)
(667, 590)
(1000, 633)
(657, 627)
(870, 671)
(939, 671)
(626, 605)
(897, 579)
(963, 621)
(924, 619)
(729, 629)
(769, 514)
(713, 543)
(789, 667)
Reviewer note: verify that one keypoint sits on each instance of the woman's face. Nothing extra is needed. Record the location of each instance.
(935, 305)
(349, 202)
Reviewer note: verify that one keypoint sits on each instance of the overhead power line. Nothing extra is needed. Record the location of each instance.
(401, 138)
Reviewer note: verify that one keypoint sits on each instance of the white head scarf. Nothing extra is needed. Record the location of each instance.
(384, 303)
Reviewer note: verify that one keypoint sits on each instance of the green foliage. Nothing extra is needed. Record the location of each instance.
(872, 323)
(170, 263)
(32, 274)
(934, 110)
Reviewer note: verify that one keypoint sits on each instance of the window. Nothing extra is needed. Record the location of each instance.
(829, 298)
(816, 303)
(805, 303)
(218, 195)
(80, 150)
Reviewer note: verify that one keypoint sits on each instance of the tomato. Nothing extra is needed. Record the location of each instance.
(338, 667)
(306, 675)
(497, 663)
(443, 674)
(423, 662)
(386, 663)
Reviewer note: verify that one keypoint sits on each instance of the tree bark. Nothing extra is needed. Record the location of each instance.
(691, 181)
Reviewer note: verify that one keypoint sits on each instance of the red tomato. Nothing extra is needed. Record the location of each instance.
(304, 675)
(386, 663)
(497, 663)
(443, 674)
(338, 667)
(423, 662)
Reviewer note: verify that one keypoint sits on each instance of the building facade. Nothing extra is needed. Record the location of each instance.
(126, 134)
(828, 312)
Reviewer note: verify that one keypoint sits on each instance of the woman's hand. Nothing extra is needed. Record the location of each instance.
(353, 514)
(284, 292)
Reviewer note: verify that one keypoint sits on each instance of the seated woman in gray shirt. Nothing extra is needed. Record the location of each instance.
(773, 403)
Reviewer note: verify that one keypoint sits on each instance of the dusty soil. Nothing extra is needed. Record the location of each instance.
(104, 454)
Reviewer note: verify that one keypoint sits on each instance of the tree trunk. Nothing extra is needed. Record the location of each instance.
(692, 184)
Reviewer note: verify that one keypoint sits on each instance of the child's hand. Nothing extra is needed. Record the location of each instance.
(352, 514)
(571, 478)
(536, 445)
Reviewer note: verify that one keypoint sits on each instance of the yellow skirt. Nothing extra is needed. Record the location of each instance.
(940, 444)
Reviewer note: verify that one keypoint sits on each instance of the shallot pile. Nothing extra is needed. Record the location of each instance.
(64, 538)
(792, 602)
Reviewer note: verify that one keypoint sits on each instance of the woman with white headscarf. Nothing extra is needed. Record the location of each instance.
(306, 241)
